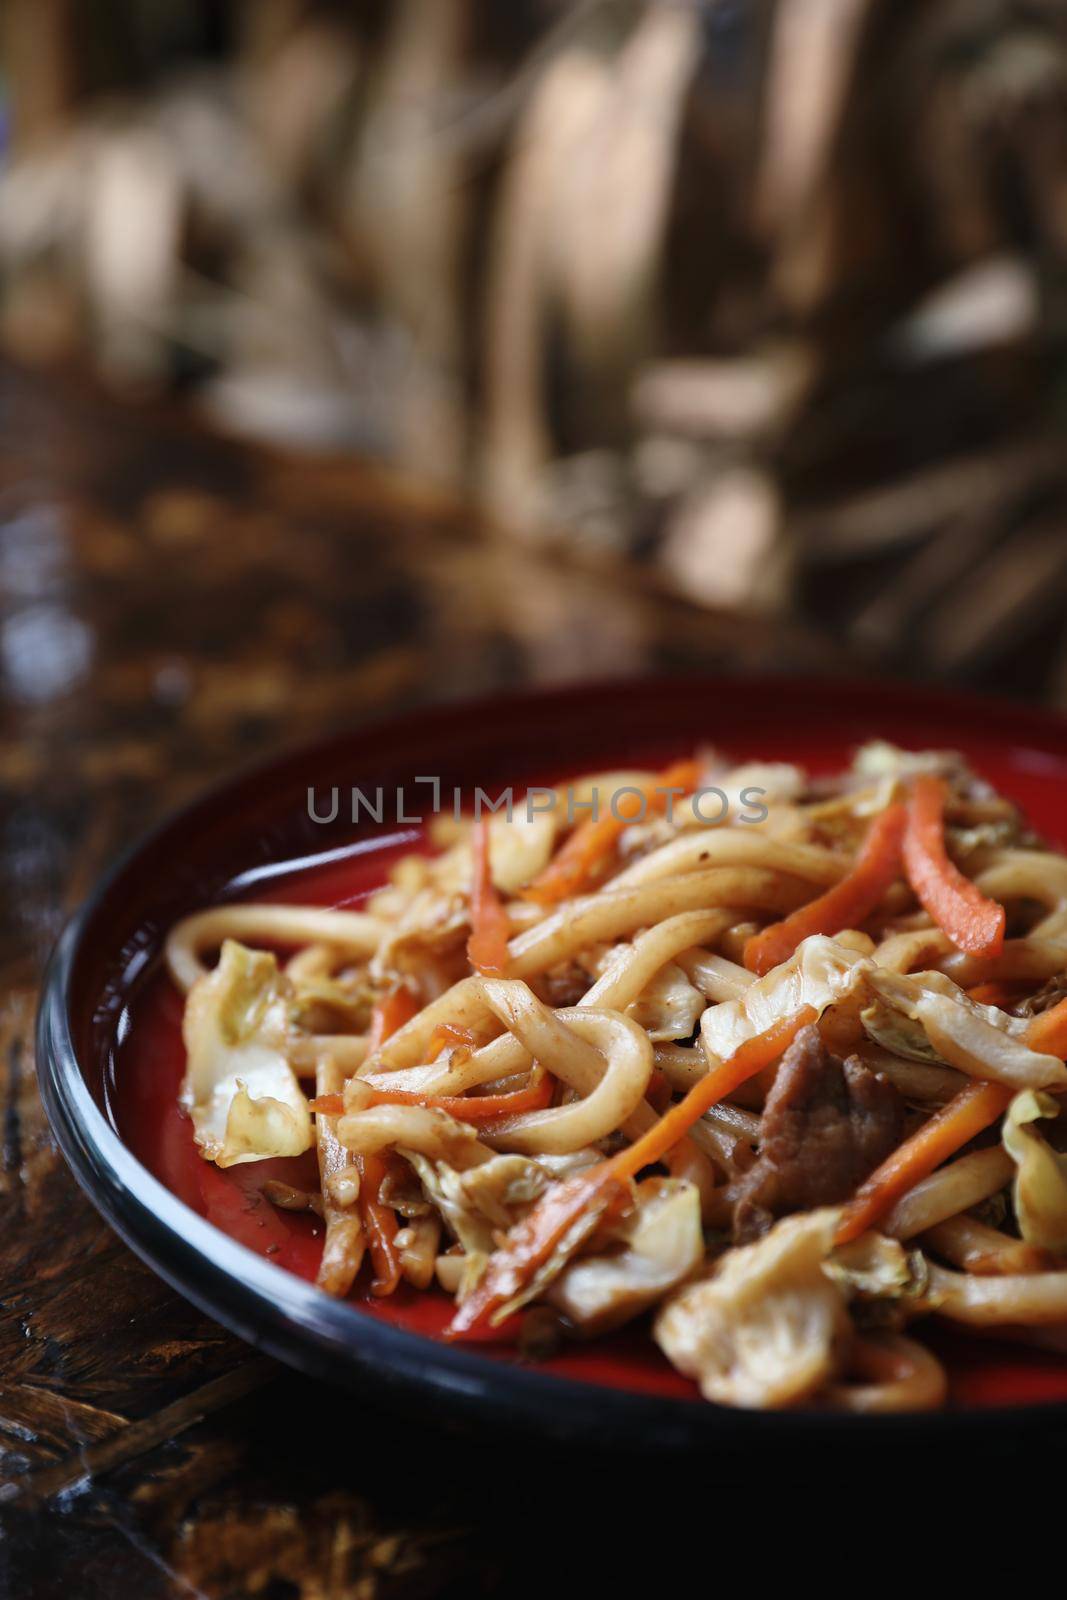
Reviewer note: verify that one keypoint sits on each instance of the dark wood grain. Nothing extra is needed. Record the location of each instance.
(172, 604)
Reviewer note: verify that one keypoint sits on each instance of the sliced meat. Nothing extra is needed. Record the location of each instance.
(825, 1127)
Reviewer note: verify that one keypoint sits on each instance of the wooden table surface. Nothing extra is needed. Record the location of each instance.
(171, 605)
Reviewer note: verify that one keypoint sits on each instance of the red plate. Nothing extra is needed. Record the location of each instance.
(114, 1020)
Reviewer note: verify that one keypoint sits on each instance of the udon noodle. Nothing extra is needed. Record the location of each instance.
(784, 1086)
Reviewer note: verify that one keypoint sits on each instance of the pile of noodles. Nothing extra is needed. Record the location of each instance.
(474, 1055)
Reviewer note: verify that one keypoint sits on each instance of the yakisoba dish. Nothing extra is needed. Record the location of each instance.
(778, 1089)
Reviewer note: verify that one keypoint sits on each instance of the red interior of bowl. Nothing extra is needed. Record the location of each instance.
(147, 1058)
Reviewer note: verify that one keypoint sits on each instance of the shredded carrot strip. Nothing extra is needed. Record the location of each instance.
(532, 1240)
(390, 1014)
(1047, 1034)
(536, 1096)
(449, 1035)
(487, 947)
(593, 842)
(328, 1105)
(846, 905)
(477, 1108)
(603, 1188)
(975, 1107)
(973, 922)
(995, 994)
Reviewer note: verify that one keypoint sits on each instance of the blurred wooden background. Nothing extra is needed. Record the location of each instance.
(767, 296)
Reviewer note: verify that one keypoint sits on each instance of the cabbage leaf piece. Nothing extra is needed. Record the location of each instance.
(481, 1201)
(480, 1206)
(668, 1007)
(933, 1013)
(819, 973)
(239, 1088)
(877, 1267)
(769, 1327)
(899, 1033)
(1039, 1189)
(477, 1204)
(658, 1245)
(922, 1015)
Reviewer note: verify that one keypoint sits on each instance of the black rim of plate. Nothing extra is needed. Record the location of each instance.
(292, 1320)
